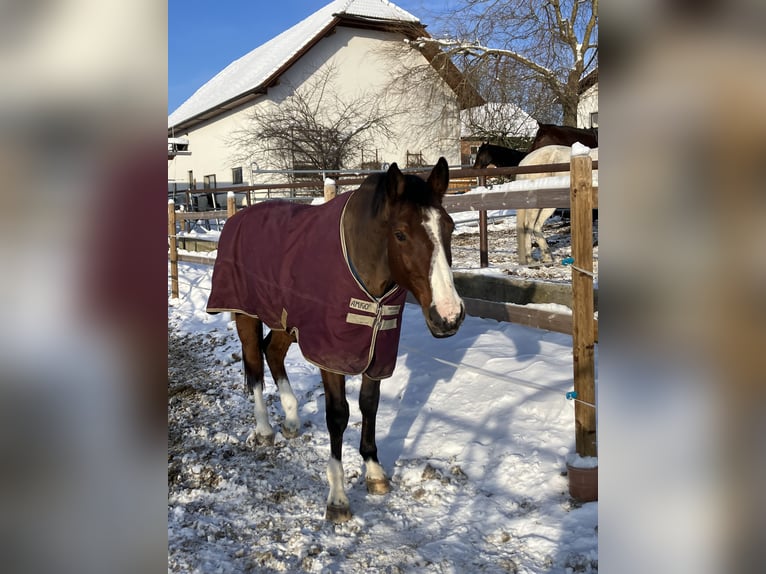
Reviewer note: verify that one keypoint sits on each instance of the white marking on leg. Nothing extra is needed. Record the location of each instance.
(445, 298)
(262, 425)
(337, 496)
(374, 471)
(290, 405)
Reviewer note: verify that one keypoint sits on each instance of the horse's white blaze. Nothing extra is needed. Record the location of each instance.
(445, 298)
(289, 404)
(262, 425)
(337, 496)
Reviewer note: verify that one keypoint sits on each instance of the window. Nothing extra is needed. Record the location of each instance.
(594, 119)
(210, 181)
(191, 179)
(236, 175)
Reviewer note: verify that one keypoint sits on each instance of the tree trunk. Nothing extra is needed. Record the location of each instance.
(569, 107)
(570, 98)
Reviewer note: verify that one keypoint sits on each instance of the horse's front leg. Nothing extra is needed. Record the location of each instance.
(336, 407)
(375, 477)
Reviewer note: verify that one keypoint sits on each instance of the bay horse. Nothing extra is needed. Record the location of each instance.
(551, 134)
(497, 155)
(529, 222)
(334, 278)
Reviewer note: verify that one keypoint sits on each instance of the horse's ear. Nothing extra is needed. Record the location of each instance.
(439, 178)
(394, 181)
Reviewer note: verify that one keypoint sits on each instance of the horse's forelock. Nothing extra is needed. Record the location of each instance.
(419, 193)
(416, 192)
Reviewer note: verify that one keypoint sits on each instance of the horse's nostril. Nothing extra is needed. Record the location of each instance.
(436, 319)
(445, 324)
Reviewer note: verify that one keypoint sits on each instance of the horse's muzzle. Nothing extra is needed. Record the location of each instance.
(440, 326)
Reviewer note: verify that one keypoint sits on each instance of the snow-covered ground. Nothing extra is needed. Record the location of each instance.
(477, 454)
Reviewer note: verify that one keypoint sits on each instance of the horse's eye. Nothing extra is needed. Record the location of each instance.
(400, 236)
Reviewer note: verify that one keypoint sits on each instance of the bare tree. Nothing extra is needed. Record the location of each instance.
(529, 52)
(314, 127)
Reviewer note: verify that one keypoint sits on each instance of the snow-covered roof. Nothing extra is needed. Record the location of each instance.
(252, 72)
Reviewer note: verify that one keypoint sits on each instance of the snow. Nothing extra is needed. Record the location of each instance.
(580, 149)
(475, 431)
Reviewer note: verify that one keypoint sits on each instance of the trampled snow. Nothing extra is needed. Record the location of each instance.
(474, 430)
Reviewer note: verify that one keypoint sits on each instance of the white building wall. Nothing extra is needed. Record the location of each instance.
(361, 64)
(588, 104)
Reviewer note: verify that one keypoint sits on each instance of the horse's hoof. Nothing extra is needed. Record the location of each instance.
(337, 514)
(290, 433)
(378, 486)
(255, 439)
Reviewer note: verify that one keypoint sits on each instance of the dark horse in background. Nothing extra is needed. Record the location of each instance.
(497, 155)
(551, 134)
(334, 277)
(547, 134)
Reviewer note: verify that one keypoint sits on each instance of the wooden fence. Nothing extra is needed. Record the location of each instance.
(581, 197)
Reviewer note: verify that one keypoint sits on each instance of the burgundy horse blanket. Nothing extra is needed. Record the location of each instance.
(286, 264)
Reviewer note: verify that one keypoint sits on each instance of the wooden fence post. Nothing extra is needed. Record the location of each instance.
(330, 189)
(231, 204)
(483, 240)
(583, 336)
(173, 249)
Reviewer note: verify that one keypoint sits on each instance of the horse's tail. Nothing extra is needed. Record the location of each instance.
(253, 345)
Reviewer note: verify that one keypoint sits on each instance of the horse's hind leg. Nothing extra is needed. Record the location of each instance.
(250, 331)
(375, 477)
(540, 219)
(524, 235)
(336, 412)
(275, 349)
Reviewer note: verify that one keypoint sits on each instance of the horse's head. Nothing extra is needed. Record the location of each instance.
(419, 245)
(483, 156)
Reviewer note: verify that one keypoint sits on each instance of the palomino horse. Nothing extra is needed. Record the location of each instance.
(497, 155)
(334, 278)
(529, 222)
(550, 134)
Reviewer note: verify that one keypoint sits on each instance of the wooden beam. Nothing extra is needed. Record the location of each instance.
(200, 259)
(483, 240)
(583, 336)
(173, 255)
